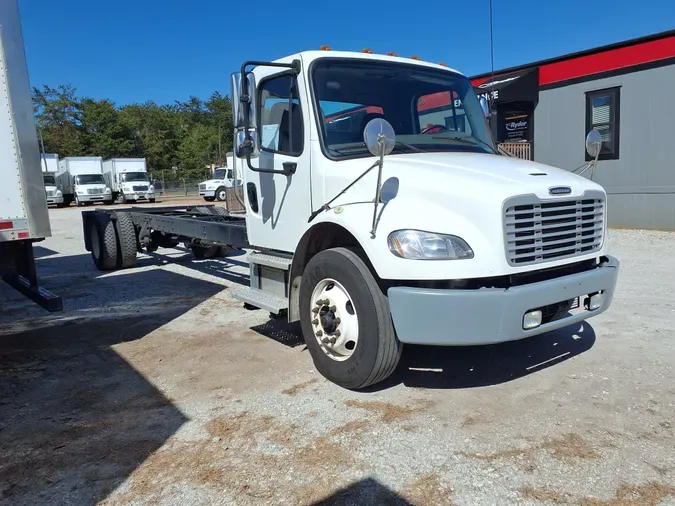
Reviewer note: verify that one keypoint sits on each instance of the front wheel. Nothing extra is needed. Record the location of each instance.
(346, 322)
(221, 194)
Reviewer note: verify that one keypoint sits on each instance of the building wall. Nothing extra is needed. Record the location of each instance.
(641, 183)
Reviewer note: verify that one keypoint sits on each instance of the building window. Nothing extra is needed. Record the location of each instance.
(602, 114)
(281, 127)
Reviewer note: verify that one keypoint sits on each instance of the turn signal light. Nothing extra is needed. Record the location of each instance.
(324, 48)
(442, 64)
(392, 54)
(415, 58)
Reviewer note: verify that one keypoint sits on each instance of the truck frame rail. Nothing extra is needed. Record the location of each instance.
(115, 236)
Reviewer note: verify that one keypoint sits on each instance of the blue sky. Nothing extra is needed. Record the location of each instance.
(161, 50)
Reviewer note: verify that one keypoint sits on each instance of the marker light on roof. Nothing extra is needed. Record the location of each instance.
(392, 54)
(442, 64)
(324, 48)
(366, 50)
(415, 58)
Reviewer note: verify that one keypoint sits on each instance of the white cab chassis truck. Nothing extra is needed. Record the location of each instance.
(375, 225)
(223, 178)
(82, 178)
(50, 169)
(24, 217)
(128, 179)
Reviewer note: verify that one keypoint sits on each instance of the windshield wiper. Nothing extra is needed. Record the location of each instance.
(466, 141)
(409, 146)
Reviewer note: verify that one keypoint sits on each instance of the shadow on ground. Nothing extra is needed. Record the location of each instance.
(75, 418)
(478, 366)
(368, 491)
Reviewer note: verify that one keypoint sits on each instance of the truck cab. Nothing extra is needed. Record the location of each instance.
(376, 222)
(128, 178)
(50, 167)
(223, 178)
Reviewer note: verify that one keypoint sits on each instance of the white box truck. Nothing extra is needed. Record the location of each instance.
(128, 179)
(223, 178)
(376, 231)
(24, 216)
(50, 168)
(82, 180)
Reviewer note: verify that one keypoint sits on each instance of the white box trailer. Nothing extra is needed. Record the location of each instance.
(128, 179)
(24, 216)
(82, 180)
(50, 169)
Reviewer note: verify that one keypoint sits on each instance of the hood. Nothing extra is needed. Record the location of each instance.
(502, 175)
(214, 181)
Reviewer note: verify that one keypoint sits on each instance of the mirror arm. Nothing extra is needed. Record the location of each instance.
(380, 164)
(326, 206)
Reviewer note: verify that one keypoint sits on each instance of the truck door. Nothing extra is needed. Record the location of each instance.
(277, 205)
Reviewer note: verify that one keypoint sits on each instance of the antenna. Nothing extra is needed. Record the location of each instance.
(492, 59)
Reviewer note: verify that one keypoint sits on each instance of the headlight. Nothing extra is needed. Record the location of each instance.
(107, 190)
(58, 193)
(81, 192)
(418, 245)
(151, 189)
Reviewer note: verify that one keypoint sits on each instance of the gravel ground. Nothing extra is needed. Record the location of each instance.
(154, 386)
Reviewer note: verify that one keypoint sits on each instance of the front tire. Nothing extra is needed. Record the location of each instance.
(348, 329)
(221, 194)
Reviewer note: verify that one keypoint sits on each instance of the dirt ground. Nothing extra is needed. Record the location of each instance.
(154, 386)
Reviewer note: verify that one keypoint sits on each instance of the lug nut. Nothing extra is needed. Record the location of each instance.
(336, 333)
(319, 334)
(333, 340)
(337, 321)
(325, 340)
(315, 310)
(332, 308)
(315, 321)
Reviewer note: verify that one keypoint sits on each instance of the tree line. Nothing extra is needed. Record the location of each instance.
(178, 140)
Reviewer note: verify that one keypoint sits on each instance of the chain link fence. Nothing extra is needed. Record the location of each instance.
(177, 188)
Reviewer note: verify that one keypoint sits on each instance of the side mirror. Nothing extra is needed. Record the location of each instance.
(593, 143)
(239, 87)
(484, 105)
(240, 147)
(379, 137)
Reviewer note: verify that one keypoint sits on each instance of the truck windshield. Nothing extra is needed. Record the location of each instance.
(430, 109)
(128, 177)
(89, 179)
(221, 174)
(49, 180)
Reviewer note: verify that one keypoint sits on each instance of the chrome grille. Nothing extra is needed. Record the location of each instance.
(202, 187)
(539, 232)
(51, 193)
(140, 188)
(94, 191)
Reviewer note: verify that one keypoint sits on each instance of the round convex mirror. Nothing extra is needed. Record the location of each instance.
(379, 137)
(593, 143)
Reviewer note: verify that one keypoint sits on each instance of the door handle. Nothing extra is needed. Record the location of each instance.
(252, 193)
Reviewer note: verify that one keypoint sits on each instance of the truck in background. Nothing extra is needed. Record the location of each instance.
(24, 216)
(223, 178)
(81, 180)
(50, 168)
(128, 179)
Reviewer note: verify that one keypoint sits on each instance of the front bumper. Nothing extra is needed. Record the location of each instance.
(136, 196)
(493, 315)
(99, 197)
(207, 193)
(54, 200)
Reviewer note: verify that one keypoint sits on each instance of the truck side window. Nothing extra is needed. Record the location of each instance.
(281, 125)
(441, 109)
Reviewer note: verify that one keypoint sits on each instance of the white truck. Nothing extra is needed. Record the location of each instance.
(376, 230)
(82, 180)
(128, 178)
(24, 216)
(223, 178)
(50, 168)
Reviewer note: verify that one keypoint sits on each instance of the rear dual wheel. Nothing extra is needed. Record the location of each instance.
(345, 320)
(113, 242)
